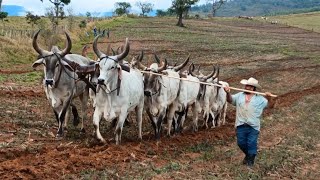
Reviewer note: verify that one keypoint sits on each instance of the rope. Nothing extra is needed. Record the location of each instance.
(206, 83)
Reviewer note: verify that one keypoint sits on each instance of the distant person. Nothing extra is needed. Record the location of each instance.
(249, 108)
(95, 33)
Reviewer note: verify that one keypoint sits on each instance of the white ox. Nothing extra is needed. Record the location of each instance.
(61, 83)
(189, 97)
(160, 92)
(112, 102)
(213, 101)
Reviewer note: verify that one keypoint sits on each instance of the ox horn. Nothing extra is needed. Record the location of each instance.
(108, 49)
(141, 56)
(95, 48)
(69, 46)
(40, 51)
(191, 68)
(84, 50)
(157, 58)
(211, 74)
(139, 64)
(164, 66)
(113, 52)
(179, 67)
(125, 52)
(216, 75)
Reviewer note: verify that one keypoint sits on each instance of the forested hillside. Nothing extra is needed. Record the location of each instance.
(260, 7)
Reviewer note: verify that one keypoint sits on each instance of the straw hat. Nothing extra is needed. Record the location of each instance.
(251, 81)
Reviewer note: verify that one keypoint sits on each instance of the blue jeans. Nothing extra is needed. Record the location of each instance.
(247, 139)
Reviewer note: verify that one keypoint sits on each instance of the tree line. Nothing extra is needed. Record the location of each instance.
(256, 7)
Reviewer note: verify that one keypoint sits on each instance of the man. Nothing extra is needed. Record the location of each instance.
(249, 108)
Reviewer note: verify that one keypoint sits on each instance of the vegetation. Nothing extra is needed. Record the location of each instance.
(57, 12)
(3, 15)
(32, 19)
(259, 8)
(145, 7)
(122, 8)
(181, 7)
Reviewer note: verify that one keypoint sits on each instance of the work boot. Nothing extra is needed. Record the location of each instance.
(245, 160)
(250, 161)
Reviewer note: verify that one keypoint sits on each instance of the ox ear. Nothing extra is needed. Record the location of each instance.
(66, 65)
(37, 63)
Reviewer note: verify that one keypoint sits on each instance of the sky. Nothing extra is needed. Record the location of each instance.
(83, 6)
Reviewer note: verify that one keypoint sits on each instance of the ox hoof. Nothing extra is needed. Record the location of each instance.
(82, 131)
(102, 141)
(59, 136)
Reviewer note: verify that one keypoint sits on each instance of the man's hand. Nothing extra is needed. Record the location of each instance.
(268, 94)
(226, 88)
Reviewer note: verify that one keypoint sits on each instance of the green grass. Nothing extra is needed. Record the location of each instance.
(309, 21)
(26, 79)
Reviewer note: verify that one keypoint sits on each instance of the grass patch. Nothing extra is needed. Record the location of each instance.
(170, 167)
(201, 147)
(26, 79)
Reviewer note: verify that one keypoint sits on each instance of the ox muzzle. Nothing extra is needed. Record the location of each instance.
(49, 82)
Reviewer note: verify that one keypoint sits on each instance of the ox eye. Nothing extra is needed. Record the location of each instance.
(112, 67)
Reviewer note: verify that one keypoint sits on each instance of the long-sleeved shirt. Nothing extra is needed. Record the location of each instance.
(249, 113)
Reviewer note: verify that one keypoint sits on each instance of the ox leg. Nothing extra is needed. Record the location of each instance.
(96, 122)
(213, 118)
(84, 102)
(195, 117)
(75, 115)
(139, 113)
(169, 118)
(119, 127)
(62, 115)
(224, 113)
(159, 124)
(152, 121)
(181, 123)
(56, 114)
(183, 118)
(67, 116)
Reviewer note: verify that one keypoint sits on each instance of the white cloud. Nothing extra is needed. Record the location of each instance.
(83, 6)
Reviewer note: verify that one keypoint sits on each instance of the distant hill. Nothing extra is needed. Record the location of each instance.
(14, 10)
(260, 7)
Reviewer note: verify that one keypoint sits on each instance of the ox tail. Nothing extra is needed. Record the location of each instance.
(76, 119)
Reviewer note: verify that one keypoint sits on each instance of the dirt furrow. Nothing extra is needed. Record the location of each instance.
(55, 160)
(266, 71)
(285, 100)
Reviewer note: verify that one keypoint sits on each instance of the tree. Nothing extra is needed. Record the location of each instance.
(122, 8)
(216, 4)
(3, 15)
(145, 7)
(161, 13)
(181, 7)
(32, 19)
(58, 11)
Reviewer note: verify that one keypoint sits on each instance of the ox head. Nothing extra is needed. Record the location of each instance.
(152, 83)
(203, 78)
(51, 60)
(109, 65)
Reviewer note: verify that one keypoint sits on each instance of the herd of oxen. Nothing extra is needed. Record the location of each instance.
(117, 87)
